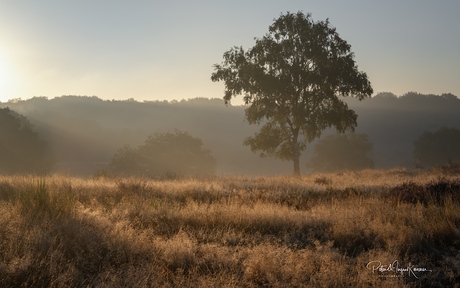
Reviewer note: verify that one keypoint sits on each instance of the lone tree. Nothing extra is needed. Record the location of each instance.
(292, 78)
(340, 152)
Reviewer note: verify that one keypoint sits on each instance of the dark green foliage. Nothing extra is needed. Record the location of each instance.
(323, 180)
(343, 152)
(450, 168)
(127, 161)
(437, 148)
(21, 149)
(7, 192)
(292, 78)
(434, 193)
(166, 155)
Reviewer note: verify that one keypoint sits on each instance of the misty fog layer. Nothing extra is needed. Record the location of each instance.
(393, 123)
(83, 133)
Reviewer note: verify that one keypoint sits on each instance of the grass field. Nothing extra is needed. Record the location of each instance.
(373, 228)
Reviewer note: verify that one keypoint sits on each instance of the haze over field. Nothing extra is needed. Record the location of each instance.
(83, 133)
(155, 50)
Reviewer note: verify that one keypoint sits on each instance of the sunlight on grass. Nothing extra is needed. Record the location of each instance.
(318, 230)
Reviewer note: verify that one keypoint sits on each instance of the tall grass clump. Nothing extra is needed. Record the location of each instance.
(37, 199)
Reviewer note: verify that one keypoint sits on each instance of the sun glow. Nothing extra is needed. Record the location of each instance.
(5, 77)
(3, 72)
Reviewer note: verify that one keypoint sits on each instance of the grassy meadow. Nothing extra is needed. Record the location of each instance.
(373, 228)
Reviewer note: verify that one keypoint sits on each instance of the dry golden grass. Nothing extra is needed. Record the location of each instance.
(320, 230)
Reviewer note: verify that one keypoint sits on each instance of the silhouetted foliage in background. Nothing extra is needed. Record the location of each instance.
(21, 149)
(394, 122)
(437, 148)
(83, 133)
(292, 78)
(342, 152)
(165, 154)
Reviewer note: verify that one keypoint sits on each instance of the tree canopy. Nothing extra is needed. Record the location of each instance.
(437, 148)
(292, 78)
(340, 152)
(21, 149)
(162, 154)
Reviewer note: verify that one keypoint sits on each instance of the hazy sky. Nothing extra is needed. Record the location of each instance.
(150, 50)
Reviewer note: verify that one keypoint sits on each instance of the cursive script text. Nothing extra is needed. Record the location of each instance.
(395, 268)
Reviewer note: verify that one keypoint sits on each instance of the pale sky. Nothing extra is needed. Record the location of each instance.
(157, 50)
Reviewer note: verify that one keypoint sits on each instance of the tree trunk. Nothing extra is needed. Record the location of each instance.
(296, 152)
(296, 165)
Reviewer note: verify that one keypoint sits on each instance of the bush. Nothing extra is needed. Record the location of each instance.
(433, 193)
(166, 155)
(342, 152)
(437, 148)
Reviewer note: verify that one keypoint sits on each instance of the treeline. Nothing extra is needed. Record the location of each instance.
(394, 123)
(83, 133)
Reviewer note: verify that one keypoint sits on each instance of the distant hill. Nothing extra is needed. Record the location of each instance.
(84, 132)
(393, 123)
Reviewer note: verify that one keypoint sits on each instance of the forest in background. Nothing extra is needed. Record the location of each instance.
(83, 133)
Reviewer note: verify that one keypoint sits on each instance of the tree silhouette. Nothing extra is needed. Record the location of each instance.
(163, 154)
(292, 78)
(437, 148)
(21, 149)
(343, 152)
